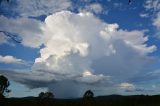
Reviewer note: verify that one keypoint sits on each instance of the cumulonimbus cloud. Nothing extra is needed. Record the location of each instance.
(75, 42)
(81, 49)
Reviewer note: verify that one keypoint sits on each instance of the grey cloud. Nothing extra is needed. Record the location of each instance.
(147, 76)
(27, 29)
(124, 63)
(67, 87)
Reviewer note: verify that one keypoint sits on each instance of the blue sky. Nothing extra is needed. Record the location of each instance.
(69, 46)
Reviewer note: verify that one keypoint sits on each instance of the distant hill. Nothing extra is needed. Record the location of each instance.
(112, 100)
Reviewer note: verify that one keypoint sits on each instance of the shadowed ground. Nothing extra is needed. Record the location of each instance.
(113, 100)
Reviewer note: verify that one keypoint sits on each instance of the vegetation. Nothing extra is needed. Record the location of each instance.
(45, 95)
(88, 94)
(113, 100)
(4, 83)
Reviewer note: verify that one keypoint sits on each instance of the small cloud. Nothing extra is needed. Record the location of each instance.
(93, 8)
(127, 87)
(96, 8)
(117, 5)
(144, 15)
(108, 0)
(11, 60)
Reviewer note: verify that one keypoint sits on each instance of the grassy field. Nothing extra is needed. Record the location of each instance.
(113, 100)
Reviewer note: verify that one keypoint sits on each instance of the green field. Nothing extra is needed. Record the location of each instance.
(113, 100)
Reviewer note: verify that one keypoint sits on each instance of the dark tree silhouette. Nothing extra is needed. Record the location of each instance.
(43, 95)
(4, 83)
(49, 95)
(88, 94)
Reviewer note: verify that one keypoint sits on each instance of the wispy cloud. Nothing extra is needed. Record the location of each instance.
(28, 29)
(144, 15)
(156, 21)
(153, 7)
(26, 8)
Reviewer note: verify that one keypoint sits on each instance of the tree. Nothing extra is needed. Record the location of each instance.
(4, 83)
(41, 95)
(48, 94)
(88, 94)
